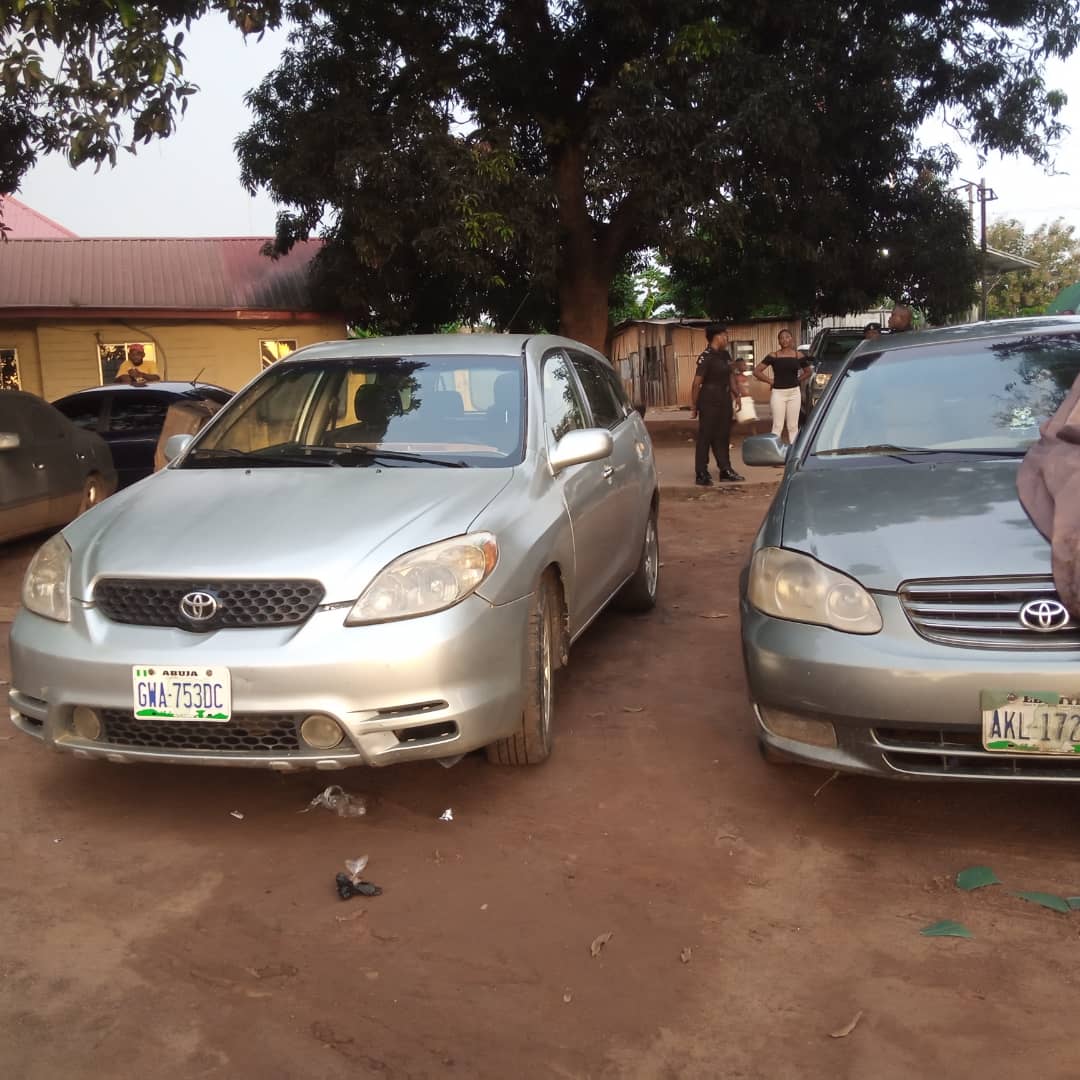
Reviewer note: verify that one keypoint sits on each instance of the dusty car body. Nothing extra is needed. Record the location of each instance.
(379, 551)
(899, 617)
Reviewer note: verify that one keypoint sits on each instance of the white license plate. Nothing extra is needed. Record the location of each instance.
(1030, 721)
(180, 693)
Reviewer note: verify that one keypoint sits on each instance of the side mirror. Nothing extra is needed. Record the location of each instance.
(764, 450)
(640, 410)
(9, 440)
(175, 445)
(576, 447)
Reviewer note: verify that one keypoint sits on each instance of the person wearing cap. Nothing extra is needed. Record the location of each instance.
(132, 372)
(714, 397)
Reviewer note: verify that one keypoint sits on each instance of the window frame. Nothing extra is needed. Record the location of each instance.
(126, 346)
(560, 355)
(620, 408)
(18, 374)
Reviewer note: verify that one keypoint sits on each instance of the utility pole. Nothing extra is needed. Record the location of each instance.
(984, 194)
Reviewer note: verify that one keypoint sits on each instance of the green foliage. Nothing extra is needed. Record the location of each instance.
(1054, 245)
(643, 294)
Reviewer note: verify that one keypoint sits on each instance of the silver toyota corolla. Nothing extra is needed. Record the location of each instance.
(899, 616)
(379, 551)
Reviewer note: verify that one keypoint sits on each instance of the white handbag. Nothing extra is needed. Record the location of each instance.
(747, 410)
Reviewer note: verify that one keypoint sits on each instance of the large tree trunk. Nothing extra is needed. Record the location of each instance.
(583, 304)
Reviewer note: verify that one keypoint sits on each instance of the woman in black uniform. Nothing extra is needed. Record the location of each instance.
(715, 396)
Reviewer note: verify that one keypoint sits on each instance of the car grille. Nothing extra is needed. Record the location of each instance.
(959, 754)
(142, 602)
(984, 612)
(240, 735)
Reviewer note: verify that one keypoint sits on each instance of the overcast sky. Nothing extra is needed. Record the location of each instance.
(188, 185)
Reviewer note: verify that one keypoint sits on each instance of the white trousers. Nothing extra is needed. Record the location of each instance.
(785, 408)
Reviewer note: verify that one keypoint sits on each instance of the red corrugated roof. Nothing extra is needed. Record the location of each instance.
(25, 223)
(160, 275)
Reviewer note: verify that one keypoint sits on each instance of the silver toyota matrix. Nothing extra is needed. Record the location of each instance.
(379, 551)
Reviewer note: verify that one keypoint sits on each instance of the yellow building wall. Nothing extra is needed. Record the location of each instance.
(62, 356)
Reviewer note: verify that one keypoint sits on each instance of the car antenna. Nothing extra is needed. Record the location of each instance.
(196, 379)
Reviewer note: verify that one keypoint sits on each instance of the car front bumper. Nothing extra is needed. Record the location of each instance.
(432, 687)
(900, 705)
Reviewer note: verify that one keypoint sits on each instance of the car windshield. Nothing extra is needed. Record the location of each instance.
(454, 411)
(964, 397)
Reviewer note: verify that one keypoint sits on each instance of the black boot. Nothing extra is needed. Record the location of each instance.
(731, 476)
(703, 480)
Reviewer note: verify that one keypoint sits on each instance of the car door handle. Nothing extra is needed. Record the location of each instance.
(39, 464)
(608, 472)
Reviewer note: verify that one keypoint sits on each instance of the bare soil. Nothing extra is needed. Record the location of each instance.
(751, 911)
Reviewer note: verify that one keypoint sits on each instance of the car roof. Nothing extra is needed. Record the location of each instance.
(978, 331)
(185, 389)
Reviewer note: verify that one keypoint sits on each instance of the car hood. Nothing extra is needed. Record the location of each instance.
(339, 526)
(887, 524)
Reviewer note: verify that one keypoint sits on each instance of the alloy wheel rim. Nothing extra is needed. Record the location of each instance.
(544, 650)
(652, 558)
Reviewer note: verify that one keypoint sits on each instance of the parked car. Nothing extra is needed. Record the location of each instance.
(379, 551)
(828, 351)
(130, 418)
(899, 616)
(50, 471)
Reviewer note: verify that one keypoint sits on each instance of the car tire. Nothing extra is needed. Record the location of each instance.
(531, 744)
(93, 493)
(639, 593)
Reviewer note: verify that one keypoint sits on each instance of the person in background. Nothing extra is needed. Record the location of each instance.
(901, 319)
(132, 372)
(790, 369)
(871, 331)
(714, 397)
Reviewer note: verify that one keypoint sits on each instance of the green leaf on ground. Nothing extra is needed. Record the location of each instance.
(946, 928)
(976, 877)
(1047, 900)
(1073, 902)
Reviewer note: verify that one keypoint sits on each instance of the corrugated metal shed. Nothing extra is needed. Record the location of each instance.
(25, 223)
(194, 277)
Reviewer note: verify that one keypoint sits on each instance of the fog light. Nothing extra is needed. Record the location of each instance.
(321, 732)
(86, 723)
(798, 728)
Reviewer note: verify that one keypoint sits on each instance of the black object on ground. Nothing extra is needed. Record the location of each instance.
(347, 889)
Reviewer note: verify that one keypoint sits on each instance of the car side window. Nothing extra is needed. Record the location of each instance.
(132, 413)
(607, 410)
(562, 406)
(84, 412)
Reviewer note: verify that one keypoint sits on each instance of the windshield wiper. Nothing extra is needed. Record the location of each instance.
(372, 453)
(893, 450)
(229, 457)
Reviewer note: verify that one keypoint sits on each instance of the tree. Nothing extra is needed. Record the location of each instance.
(85, 77)
(643, 293)
(1054, 245)
(548, 143)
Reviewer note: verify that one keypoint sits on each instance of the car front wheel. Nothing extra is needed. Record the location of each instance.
(531, 744)
(639, 593)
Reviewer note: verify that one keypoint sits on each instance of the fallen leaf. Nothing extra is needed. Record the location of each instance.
(1046, 900)
(848, 1028)
(1073, 902)
(447, 815)
(713, 615)
(946, 928)
(685, 955)
(236, 814)
(273, 971)
(976, 877)
(593, 715)
(567, 997)
(356, 913)
(483, 907)
(598, 943)
(633, 708)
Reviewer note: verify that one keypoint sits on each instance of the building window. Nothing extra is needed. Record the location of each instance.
(271, 350)
(9, 370)
(133, 362)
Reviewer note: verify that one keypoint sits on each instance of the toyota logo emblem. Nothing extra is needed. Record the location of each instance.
(199, 607)
(1045, 616)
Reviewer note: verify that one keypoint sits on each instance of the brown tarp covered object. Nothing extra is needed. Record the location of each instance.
(183, 418)
(1049, 486)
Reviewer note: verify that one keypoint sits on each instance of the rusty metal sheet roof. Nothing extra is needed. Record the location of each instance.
(26, 223)
(197, 275)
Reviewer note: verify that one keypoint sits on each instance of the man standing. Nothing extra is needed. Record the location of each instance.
(901, 319)
(714, 397)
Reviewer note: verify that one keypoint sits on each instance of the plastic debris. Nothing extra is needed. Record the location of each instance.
(598, 943)
(567, 997)
(848, 1028)
(946, 928)
(686, 955)
(976, 877)
(340, 801)
(633, 708)
(825, 785)
(1046, 900)
(236, 814)
(447, 815)
(356, 867)
(449, 762)
(483, 907)
(714, 615)
(347, 888)
(1073, 902)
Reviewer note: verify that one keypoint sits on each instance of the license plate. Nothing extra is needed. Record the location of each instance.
(1029, 721)
(166, 693)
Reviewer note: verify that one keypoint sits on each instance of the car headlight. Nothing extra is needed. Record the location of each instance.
(427, 580)
(47, 585)
(789, 585)
(821, 379)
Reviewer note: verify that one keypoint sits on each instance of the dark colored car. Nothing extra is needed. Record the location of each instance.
(50, 471)
(828, 352)
(130, 418)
